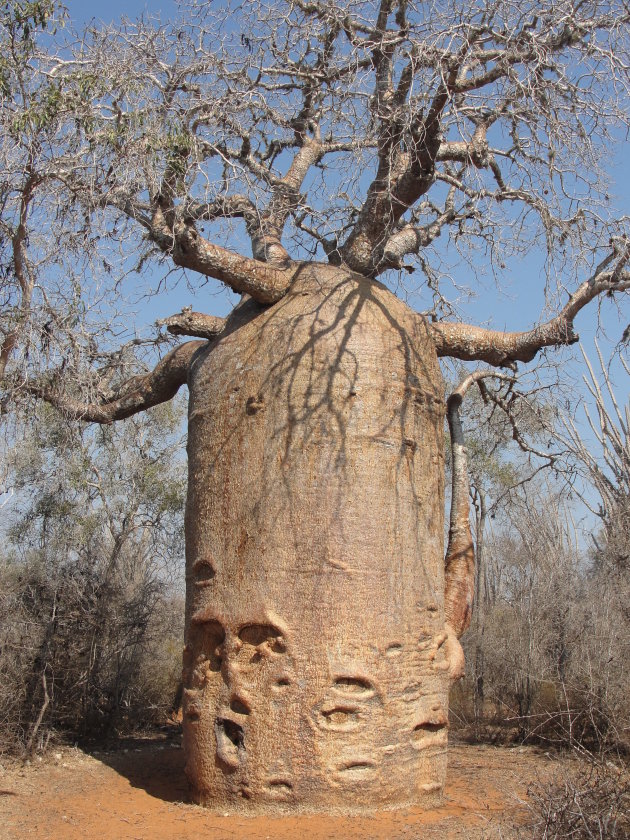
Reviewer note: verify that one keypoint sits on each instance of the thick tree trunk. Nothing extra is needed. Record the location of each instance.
(316, 666)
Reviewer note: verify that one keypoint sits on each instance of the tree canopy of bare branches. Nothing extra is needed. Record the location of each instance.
(357, 133)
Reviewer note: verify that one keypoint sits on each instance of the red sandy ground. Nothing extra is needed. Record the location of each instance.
(141, 794)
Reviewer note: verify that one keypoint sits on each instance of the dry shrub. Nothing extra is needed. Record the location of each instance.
(590, 801)
(85, 652)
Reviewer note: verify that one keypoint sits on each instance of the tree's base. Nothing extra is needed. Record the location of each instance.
(425, 800)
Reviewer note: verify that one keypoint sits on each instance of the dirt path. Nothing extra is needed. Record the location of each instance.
(140, 794)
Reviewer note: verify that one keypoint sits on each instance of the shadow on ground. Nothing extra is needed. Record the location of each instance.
(154, 765)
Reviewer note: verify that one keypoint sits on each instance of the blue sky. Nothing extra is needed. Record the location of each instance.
(81, 11)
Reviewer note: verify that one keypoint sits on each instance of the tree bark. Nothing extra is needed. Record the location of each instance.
(193, 323)
(478, 664)
(322, 617)
(460, 553)
(317, 660)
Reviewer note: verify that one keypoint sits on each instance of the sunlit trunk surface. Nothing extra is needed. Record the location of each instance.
(315, 669)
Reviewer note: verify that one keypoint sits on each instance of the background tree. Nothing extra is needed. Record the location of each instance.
(507, 429)
(90, 611)
(340, 141)
(604, 463)
(554, 611)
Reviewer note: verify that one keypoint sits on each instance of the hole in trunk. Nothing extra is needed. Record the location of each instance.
(354, 685)
(422, 728)
(232, 730)
(280, 786)
(239, 706)
(357, 770)
(230, 741)
(431, 731)
(340, 717)
(204, 571)
(260, 634)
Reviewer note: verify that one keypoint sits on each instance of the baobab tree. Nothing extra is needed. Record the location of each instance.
(343, 142)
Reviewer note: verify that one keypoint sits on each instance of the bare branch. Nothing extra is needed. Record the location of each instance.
(192, 323)
(357, 132)
(22, 271)
(466, 342)
(605, 467)
(266, 232)
(265, 283)
(137, 394)
(225, 207)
